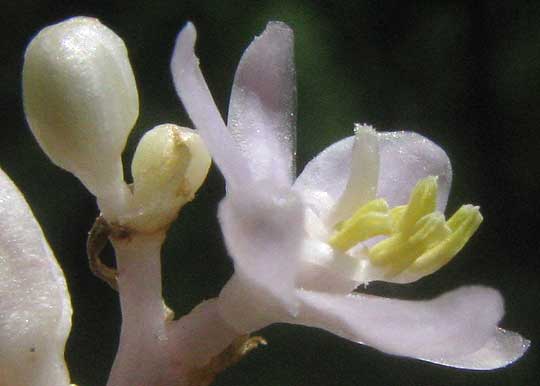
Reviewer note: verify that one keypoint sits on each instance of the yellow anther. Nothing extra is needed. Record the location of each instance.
(423, 241)
(388, 250)
(414, 222)
(401, 249)
(397, 213)
(430, 230)
(370, 220)
(422, 201)
(420, 239)
(463, 224)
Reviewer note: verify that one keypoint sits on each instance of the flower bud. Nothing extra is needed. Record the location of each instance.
(169, 166)
(81, 99)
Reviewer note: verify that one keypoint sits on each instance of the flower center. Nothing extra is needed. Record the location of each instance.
(419, 237)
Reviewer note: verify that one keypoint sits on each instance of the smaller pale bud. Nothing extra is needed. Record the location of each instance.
(81, 100)
(169, 166)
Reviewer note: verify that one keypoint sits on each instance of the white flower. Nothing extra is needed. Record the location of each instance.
(301, 247)
(35, 307)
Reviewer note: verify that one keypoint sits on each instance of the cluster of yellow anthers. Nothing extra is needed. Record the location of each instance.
(419, 237)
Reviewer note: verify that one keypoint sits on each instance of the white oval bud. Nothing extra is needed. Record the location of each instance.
(81, 99)
(169, 166)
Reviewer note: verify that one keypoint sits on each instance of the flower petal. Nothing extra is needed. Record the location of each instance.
(406, 158)
(199, 104)
(264, 236)
(504, 348)
(35, 317)
(445, 330)
(262, 108)
(326, 175)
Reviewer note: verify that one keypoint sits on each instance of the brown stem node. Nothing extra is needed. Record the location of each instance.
(98, 237)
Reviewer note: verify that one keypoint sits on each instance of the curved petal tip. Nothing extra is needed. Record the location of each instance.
(449, 330)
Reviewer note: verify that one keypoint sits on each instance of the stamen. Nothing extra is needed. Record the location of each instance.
(425, 241)
(420, 239)
(390, 250)
(370, 220)
(430, 230)
(423, 201)
(401, 250)
(414, 223)
(397, 213)
(463, 225)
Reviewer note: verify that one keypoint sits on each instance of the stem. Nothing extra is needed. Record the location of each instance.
(112, 193)
(203, 334)
(140, 356)
(154, 351)
(209, 346)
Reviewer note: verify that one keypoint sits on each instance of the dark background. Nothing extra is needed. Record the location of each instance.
(465, 74)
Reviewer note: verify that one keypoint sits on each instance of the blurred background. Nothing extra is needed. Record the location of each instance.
(464, 73)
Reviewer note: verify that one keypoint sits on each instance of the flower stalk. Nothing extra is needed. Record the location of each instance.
(143, 311)
(189, 351)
